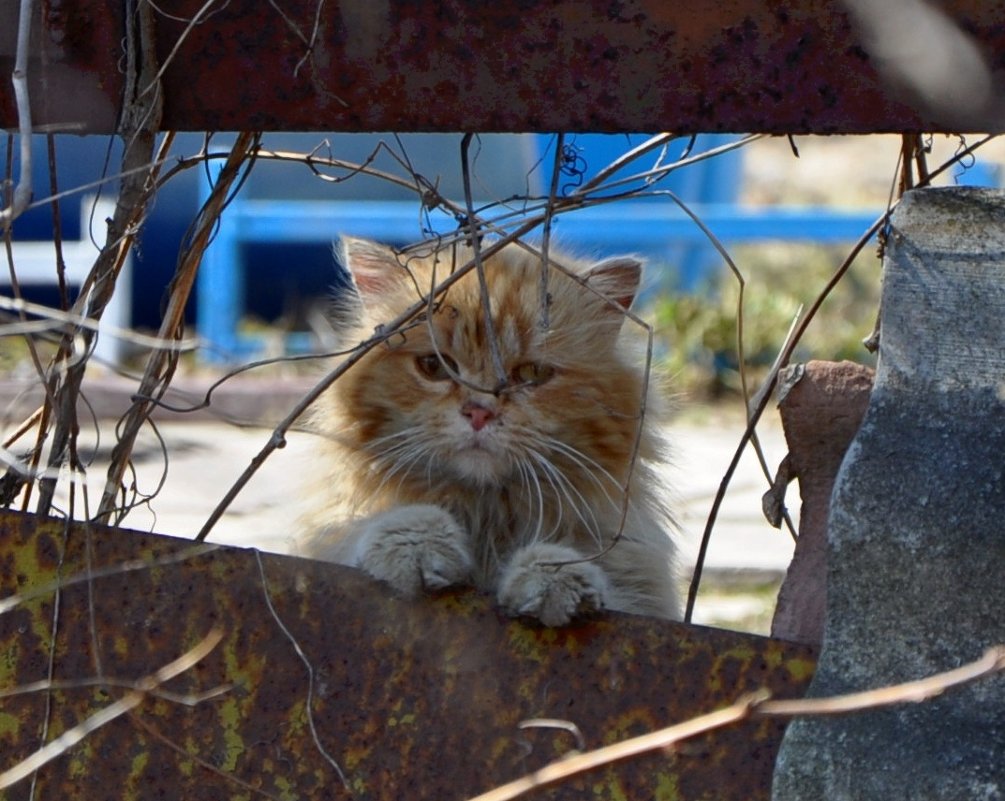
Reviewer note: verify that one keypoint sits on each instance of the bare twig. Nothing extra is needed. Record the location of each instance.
(138, 127)
(43, 734)
(131, 700)
(26, 425)
(658, 173)
(55, 320)
(205, 764)
(474, 237)
(555, 723)
(22, 192)
(121, 568)
(46, 685)
(913, 692)
(756, 705)
(654, 142)
(626, 749)
(756, 410)
(57, 225)
(309, 702)
(545, 300)
(161, 363)
(151, 82)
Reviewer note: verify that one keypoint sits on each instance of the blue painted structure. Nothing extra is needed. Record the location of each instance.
(654, 226)
(275, 239)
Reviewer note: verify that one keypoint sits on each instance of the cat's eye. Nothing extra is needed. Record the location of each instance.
(436, 367)
(532, 373)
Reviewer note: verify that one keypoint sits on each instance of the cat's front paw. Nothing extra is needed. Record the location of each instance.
(533, 585)
(415, 548)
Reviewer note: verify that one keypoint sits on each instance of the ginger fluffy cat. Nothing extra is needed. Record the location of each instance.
(434, 474)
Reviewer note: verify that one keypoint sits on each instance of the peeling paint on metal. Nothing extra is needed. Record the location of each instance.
(412, 698)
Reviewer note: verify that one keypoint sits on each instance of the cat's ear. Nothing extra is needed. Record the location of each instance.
(617, 278)
(375, 268)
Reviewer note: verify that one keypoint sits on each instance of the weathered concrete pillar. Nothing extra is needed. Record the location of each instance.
(916, 563)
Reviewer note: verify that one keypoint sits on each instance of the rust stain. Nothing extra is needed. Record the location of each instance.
(417, 699)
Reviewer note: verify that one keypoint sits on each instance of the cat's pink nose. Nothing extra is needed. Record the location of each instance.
(479, 415)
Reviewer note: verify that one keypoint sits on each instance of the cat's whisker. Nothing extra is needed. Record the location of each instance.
(561, 481)
(399, 466)
(590, 527)
(401, 458)
(389, 450)
(588, 463)
(378, 442)
(398, 440)
(564, 489)
(528, 478)
(590, 468)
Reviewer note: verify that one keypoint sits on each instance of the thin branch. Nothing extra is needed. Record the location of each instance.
(655, 741)
(309, 701)
(55, 320)
(22, 192)
(57, 224)
(159, 368)
(153, 80)
(760, 401)
(26, 425)
(657, 173)
(653, 143)
(913, 692)
(100, 183)
(756, 705)
(544, 322)
(555, 723)
(122, 568)
(43, 734)
(130, 701)
(61, 685)
(756, 410)
(138, 128)
(205, 764)
(474, 237)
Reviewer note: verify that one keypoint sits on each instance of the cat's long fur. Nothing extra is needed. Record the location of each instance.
(432, 475)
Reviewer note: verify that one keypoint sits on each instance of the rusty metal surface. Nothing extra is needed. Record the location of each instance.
(413, 699)
(452, 65)
(75, 75)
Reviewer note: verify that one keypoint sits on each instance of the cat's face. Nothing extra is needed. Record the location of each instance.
(435, 404)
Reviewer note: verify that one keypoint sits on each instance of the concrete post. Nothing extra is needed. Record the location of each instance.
(916, 568)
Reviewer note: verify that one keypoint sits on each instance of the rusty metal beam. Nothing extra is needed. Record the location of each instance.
(417, 699)
(451, 65)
